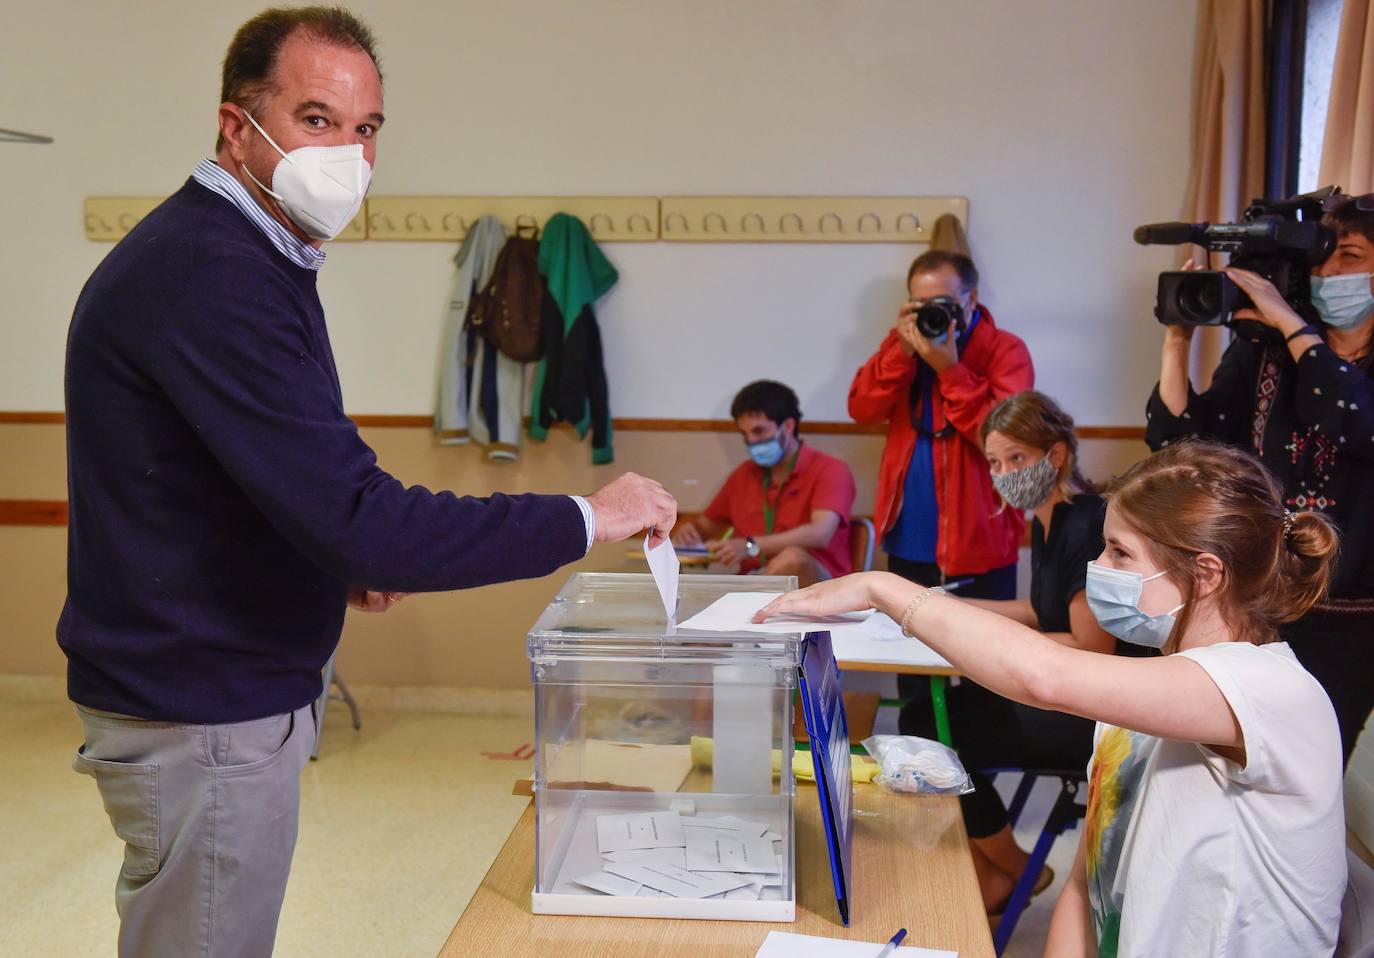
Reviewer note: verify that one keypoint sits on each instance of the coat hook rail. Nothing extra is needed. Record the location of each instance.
(806, 219)
(615, 219)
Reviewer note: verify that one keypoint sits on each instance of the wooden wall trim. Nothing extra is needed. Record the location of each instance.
(391, 421)
(385, 421)
(1111, 432)
(32, 418)
(33, 512)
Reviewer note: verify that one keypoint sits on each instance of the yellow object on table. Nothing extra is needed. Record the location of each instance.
(863, 768)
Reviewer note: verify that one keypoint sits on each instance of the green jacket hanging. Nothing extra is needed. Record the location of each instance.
(570, 382)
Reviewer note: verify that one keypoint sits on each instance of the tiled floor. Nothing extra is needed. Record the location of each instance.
(398, 825)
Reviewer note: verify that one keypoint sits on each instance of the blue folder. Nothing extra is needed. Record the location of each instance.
(823, 710)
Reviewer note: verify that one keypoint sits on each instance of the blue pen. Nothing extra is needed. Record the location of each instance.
(891, 946)
(957, 584)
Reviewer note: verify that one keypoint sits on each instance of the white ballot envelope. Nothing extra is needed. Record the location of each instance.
(677, 881)
(734, 612)
(644, 830)
(664, 564)
(713, 850)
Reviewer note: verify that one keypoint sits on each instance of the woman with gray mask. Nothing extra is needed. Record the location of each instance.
(1031, 450)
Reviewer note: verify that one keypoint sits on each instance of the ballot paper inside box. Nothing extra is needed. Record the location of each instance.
(659, 787)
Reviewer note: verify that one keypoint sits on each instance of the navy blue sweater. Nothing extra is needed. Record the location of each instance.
(221, 501)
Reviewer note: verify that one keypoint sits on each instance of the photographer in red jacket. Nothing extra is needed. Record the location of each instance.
(933, 381)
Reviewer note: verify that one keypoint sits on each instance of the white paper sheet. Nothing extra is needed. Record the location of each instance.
(728, 823)
(609, 884)
(733, 611)
(643, 830)
(638, 856)
(664, 564)
(853, 645)
(678, 882)
(774, 879)
(784, 944)
(716, 850)
(880, 626)
(750, 892)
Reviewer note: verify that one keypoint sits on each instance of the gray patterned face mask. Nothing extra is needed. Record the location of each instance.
(1028, 487)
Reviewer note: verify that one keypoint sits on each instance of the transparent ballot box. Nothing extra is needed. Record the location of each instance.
(663, 774)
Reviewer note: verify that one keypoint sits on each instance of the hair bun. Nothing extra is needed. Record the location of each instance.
(1308, 553)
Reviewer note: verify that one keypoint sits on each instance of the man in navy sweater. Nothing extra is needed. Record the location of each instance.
(224, 511)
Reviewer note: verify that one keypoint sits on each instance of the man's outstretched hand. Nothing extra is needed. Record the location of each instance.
(629, 504)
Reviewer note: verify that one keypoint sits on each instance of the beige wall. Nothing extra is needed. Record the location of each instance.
(471, 638)
(1062, 136)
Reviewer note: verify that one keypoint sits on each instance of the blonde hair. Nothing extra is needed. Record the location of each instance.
(1197, 496)
(1035, 419)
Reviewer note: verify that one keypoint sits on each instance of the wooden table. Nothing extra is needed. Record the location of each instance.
(911, 869)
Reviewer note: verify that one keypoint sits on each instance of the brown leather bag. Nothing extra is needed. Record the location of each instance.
(507, 311)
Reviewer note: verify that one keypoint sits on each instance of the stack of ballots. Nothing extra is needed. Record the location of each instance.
(671, 855)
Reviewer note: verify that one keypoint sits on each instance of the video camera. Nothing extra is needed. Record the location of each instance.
(1281, 240)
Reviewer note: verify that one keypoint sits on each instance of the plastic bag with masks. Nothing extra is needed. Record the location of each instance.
(911, 764)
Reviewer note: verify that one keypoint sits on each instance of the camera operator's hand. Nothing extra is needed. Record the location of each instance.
(907, 333)
(940, 355)
(1173, 370)
(1180, 335)
(1270, 306)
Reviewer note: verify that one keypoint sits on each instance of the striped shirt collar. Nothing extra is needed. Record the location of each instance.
(215, 178)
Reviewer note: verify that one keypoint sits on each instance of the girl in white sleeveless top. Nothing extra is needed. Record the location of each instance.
(1215, 824)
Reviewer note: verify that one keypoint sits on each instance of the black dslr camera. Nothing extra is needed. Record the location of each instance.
(937, 315)
(1280, 240)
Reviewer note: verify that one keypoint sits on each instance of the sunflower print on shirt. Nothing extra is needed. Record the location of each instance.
(1114, 780)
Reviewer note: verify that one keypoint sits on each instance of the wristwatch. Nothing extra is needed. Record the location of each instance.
(751, 548)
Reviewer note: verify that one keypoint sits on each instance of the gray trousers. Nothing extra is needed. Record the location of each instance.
(208, 815)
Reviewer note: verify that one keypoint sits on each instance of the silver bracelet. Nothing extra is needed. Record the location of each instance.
(913, 607)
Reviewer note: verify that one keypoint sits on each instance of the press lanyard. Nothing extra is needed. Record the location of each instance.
(770, 511)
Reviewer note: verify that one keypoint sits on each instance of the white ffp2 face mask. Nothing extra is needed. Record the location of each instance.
(321, 188)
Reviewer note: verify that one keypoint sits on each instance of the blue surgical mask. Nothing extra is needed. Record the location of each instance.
(1343, 301)
(767, 453)
(1114, 597)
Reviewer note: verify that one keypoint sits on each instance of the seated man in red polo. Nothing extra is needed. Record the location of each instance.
(786, 510)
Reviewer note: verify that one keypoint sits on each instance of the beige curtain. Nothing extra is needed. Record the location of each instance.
(1348, 147)
(1228, 130)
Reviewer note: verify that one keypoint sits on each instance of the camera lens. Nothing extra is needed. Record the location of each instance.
(935, 317)
(932, 321)
(1200, 301)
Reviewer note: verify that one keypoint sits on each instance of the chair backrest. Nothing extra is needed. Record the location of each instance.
(1357, 911)
(861, 536)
